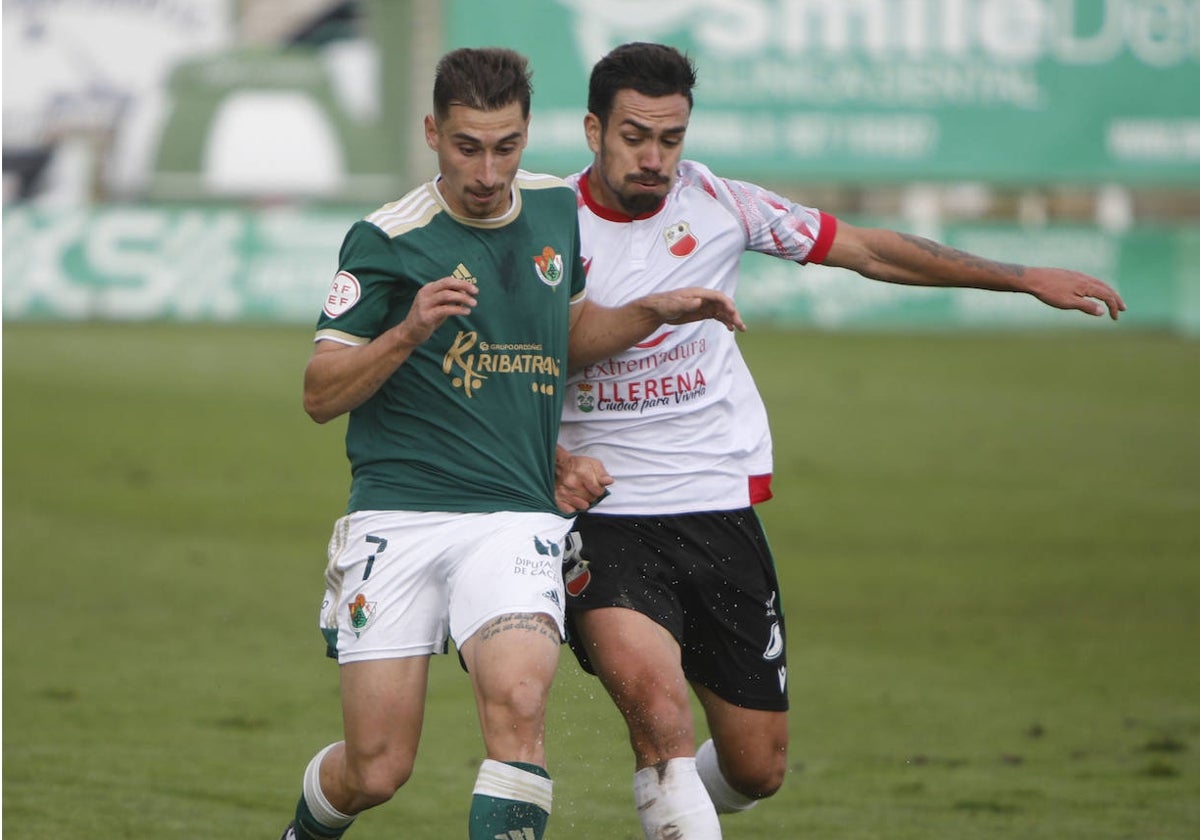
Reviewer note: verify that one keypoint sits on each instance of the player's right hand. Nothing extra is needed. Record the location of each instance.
(579, 481)
(434, 303)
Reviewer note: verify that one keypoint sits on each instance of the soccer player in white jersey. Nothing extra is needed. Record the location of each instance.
(670, 580)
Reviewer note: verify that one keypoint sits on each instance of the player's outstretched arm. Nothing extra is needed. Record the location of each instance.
(913, 260)
(598, 332)
(341, 377)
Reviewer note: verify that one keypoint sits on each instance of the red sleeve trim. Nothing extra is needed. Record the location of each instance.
(820, 248)
(760, 488)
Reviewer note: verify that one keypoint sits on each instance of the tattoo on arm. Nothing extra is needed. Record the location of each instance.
(944, 252)
(537, 622)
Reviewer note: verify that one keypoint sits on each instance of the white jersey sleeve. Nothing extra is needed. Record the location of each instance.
(772, 224)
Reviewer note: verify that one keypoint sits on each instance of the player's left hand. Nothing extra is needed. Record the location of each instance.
(579, 481)
(682, 306)
(1066, 289)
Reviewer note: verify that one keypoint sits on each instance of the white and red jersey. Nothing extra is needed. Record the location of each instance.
(677, 419)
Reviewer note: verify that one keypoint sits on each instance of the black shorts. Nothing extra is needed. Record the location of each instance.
(708, 578)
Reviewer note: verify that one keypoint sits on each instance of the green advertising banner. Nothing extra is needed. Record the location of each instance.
(235, 264)
(874, 90)
(170, 263)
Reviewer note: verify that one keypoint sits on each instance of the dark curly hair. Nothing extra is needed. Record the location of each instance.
(650, 69)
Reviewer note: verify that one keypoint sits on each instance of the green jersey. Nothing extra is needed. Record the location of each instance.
(469, 422)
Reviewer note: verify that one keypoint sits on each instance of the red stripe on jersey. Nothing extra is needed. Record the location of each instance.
(760, 488)
(820, 248)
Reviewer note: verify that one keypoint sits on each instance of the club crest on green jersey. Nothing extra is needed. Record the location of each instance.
(549, 267)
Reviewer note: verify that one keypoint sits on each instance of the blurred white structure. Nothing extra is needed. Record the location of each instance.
(86, 81)
(272, 143)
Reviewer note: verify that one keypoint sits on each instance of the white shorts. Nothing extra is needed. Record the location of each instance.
(399, 583)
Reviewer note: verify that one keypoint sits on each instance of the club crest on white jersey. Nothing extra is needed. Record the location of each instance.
(680, 239)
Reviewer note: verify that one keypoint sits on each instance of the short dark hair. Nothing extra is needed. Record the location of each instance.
(650, 69)
(485, 78)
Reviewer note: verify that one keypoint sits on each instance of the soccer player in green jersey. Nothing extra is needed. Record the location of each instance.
(445, 336)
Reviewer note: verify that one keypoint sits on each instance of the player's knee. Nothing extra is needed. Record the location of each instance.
(758, 779)
(764, 784)
(525, 701)
(375, 782)
(516, 711)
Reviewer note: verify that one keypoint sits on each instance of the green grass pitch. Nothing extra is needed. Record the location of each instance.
(988, 546)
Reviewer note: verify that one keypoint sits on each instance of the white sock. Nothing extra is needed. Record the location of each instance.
(724, 798)
(314, 797)
(675, 798)
(504, 781)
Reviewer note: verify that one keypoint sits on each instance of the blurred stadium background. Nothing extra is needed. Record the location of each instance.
(199, 160)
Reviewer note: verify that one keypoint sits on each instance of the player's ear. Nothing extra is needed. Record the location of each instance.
(592, 129)
(431, 132)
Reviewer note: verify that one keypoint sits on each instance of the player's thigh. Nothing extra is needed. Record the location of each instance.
(750, 742)
(511, 662)
(383, 709)
(637, 659)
